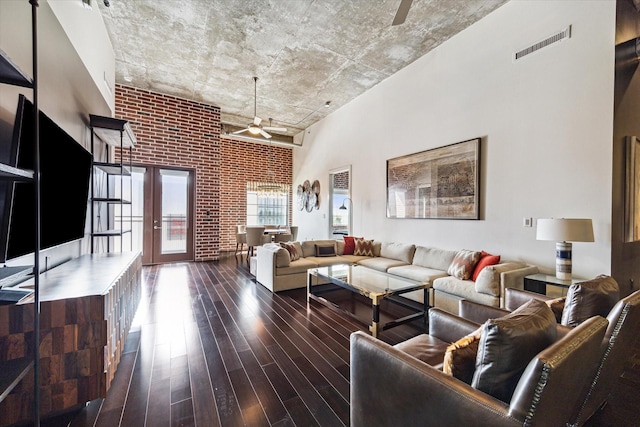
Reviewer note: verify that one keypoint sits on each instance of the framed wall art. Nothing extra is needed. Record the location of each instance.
(441, 183)
(632, 186)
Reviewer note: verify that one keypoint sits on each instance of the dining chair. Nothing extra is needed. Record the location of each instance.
(241, 237)
(283, 237)
(255, 237)
(294, 232)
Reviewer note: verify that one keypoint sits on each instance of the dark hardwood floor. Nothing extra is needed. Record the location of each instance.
(212, 347)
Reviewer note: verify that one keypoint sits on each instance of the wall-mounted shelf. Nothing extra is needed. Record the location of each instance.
(11, 74)
(14, 370)
(113, 132)
(118, 134)
(15, 174)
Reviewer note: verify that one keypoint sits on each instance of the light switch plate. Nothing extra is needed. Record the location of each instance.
(527, 222)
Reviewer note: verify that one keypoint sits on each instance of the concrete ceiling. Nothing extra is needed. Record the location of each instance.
(304, 52)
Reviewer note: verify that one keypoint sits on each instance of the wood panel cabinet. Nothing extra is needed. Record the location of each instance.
(86, 310)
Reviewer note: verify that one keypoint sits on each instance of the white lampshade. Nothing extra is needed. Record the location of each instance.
(565, 230)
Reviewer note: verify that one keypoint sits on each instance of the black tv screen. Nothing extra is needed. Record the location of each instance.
(65, 173)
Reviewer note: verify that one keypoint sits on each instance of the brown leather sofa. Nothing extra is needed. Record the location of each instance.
(390, 387)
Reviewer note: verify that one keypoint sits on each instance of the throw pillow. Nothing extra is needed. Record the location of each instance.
(293, 251)
(508, 344)
(460, 357)
(363, 247)
(349, 245)
(485, 260)
(463, 264)
(557, 306)
(590, 298)
(325, 250)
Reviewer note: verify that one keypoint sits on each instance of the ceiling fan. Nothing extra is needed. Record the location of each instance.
(402, 12)
(255, 127)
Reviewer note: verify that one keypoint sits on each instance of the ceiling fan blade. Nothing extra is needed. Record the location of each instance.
(402, 12)
(263, 133)
(239, 131)
(274, 129)
(257, 120)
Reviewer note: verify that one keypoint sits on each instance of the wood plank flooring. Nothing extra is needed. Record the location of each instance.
(210, 347)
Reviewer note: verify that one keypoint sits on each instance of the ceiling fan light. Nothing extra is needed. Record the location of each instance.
(255, 130)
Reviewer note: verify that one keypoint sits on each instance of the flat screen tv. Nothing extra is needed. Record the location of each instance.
(65, 173)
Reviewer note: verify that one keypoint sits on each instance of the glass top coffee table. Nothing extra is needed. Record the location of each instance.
(370, 283)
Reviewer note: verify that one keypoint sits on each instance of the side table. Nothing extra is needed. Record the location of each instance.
(548, 285)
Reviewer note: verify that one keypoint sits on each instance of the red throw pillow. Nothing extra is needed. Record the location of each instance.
(349, 245)
(485, 260)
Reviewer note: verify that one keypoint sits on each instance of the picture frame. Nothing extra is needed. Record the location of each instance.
(632, 186)
(440, 183)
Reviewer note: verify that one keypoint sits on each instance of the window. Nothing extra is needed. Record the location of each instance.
(341, 203)
(267, 203)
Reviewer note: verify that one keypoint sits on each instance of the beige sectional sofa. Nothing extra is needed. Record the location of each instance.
(277, 272)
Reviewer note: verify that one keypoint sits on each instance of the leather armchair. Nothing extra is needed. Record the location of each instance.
(617, 348)
(390, 387)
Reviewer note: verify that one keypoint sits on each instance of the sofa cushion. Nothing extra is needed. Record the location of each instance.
(488, 281)
(349, 245)
(294, 248)
(299, 266)
(354, 259)
(309, 246)
(463, 289)
(463, 264)
(327, 260)
(508, 344)
(424, 347)
(325, 250)
(590, 298)
(364, 247)
(339, 247)
(417, 273)
(438, 259)
(380, 263)
(400, 251)
(485, 260)
(460, 357)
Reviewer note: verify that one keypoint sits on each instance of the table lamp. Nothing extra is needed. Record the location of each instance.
(564, 231)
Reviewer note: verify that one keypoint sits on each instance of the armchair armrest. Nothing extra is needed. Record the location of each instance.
(449, 327)
(478, 312)
(389, 387)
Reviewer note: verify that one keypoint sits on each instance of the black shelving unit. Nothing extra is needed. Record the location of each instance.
(13, 371)
(114, 133)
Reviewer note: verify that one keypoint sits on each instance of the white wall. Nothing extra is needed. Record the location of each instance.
(546, 123)
(68, 92)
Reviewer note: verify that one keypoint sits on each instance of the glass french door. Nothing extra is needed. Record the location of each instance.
(168, 215)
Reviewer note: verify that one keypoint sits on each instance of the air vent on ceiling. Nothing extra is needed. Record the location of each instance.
(562, 35)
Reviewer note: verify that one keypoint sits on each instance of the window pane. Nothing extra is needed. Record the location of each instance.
(269, 206)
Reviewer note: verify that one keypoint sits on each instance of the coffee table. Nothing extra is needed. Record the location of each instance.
(370, 283)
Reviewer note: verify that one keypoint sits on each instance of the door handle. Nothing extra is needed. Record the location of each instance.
(155, 227)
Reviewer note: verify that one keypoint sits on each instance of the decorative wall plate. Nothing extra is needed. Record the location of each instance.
(302, 197)
(312, 201)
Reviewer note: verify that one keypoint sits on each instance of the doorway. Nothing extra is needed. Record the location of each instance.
(168, 214)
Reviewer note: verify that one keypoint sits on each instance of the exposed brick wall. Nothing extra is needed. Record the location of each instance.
(242, 162)
(178, 132)
(341, 180)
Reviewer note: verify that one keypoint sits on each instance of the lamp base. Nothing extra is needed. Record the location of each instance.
(563, 260)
